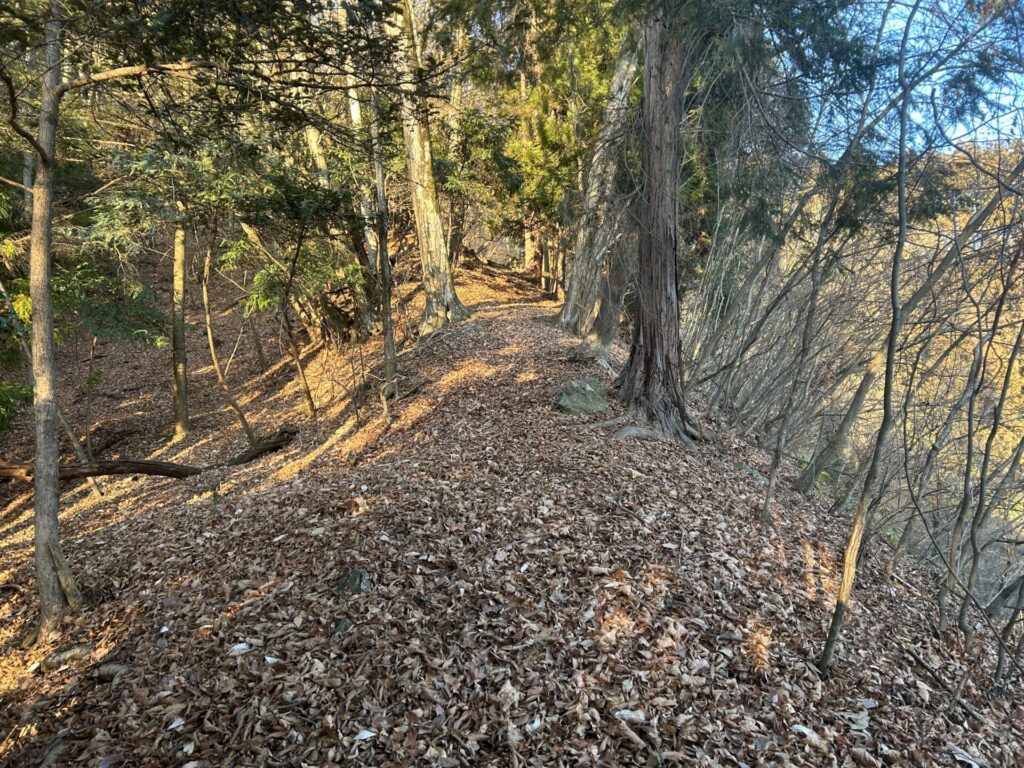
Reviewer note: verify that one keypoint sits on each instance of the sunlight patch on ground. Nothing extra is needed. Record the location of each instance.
(758, 646)
(472, 372)
(294, 467)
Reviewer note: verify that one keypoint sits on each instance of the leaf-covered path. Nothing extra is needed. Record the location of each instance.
(484, 581)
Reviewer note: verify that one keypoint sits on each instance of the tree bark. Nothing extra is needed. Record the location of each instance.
(600, 224)
(57, 590)
(442, 303)
(100, 468)
(389, 389)
(179, 379)
(651, 384)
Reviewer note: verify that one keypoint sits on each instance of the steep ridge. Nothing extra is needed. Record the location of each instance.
(481, 580)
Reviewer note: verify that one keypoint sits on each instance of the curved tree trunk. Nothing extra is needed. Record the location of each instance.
(442, 303)
(651, 384)
(600, 224)
(862, 515)
(215, 359)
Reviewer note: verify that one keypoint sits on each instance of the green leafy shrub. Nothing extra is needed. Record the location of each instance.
(11, 394)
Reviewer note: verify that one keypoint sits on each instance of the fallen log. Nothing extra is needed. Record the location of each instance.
(98, 468)
(275, 443)
(24, 471)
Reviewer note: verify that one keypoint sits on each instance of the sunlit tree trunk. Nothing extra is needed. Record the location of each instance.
(442, 303)
(57, 589)
(179, 380)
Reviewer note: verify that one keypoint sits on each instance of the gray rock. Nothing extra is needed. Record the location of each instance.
(58, 659)
(341, 627)
(111, 670)
(356, 581)
(583, 396)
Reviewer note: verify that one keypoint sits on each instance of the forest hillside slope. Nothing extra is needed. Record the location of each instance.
(483, 580)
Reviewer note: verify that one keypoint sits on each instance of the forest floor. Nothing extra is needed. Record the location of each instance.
(481, 580)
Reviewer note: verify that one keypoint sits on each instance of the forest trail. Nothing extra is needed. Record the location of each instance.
(483, 581)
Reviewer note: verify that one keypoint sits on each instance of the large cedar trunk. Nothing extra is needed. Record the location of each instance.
(651, 383)
(442, 303)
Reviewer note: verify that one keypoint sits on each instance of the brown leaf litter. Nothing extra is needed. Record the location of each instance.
(480, 582)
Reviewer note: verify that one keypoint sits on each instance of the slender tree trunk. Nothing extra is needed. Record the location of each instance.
(215, 359)
(600, 224)
(27, 172)
(459, 151)
(442, 303)
(949, 580)
(790, 406)
(951, 257)
(983, 509)
(651, 384)
(835, 444)
(860, 518)
(57, 590)
(261, 356)
(179, 380)
(1006, 634)
(362, 294)
(355, 111)
(390, 387)
(293, 347)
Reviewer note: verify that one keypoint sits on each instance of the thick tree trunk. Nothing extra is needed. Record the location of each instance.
(600, 224)
(442, 303)
(57, 590)
(179, 379)
(651, 384)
